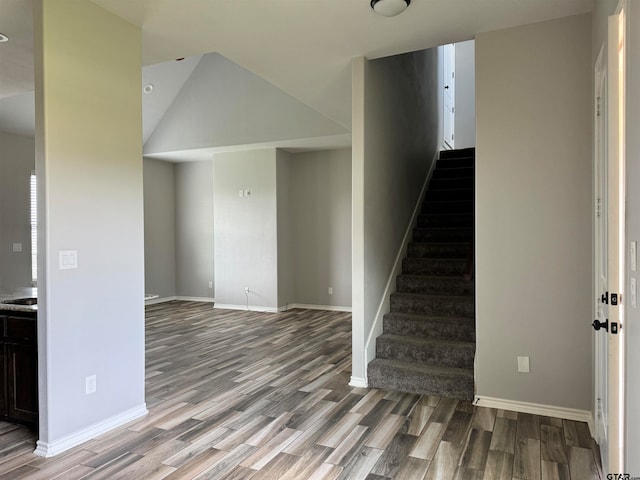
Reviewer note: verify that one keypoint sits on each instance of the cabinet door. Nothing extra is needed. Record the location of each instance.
(3, 383)
(22, 382)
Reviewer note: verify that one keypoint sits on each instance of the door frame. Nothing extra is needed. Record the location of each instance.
(600, 312)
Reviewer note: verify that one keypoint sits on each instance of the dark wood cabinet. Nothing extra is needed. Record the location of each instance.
(19, 367)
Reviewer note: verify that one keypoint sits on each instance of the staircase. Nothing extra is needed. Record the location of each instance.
(428, 340)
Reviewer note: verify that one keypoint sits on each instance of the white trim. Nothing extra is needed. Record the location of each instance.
(358, 382)
(45, 449)
(538, 409)
(306, 306)
(252, 308)
(160, 300)
(195, 299)
(385, 302)
(182, 299)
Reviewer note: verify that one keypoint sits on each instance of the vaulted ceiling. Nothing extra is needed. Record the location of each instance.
(303, 47)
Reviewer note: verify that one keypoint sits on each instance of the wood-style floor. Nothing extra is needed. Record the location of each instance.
(245, 395)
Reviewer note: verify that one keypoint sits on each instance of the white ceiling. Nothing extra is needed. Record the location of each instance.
(304, 47)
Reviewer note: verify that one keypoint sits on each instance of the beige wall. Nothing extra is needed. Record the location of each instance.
(89, 167)
(533, 206)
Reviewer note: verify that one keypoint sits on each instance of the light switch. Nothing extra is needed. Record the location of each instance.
(17, 247)
(632, 293)
(241, 193)
(523, 364)
(68, 259)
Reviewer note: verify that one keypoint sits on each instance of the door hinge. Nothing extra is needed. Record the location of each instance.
(605, 298)
(597, 106)
(598, 206)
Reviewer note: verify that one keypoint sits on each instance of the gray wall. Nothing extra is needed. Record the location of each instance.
(396, 133)
(533, 212)
(89, 167)
(194, 229)
(223, 104)
(465, 103)
(159, 228)
(286, 236)
(17, 161)
(321, 219)
(245, 228)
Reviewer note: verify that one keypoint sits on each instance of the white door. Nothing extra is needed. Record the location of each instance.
(449, 96)
(616, 237)
(601, 309)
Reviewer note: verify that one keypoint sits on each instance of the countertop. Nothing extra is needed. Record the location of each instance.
(33, 292)
(26, 292)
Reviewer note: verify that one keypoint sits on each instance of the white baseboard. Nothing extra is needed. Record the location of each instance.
(46, 449)
(538, 409)
(160, 300)
(183, 299)
(196, 299)
(358, 382)
(306, 306)
(252, 308)
(385, 301)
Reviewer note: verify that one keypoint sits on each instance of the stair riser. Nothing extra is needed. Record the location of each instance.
(427, 250)
(453, 194)
(388, 378)
(449, 183)
(454, 220)
(442, 234)
(427, 328)
(424, 266)
(434, 306)
(434, 285)
(442, 355)
(432, 206)
(453, 172)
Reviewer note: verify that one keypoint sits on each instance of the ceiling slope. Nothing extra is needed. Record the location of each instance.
(223, 104)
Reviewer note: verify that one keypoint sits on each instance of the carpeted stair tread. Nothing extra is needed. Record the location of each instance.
(456, 285)
(459, 152)
(451, 183)
(441, 234)
(453, 172)
(454, 328)
(421, 379)
(447, 206)
(436, 305)
(431, 351)
(450, 194)
(429, 220)
(438, 249)
(434, 266)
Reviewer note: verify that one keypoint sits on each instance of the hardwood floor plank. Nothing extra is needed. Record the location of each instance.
(385, 431)
(475, 453)
(555, 471)
(444, 463)
(499, 466)
(576, 434)
(484, 418)
(528, 426)
(427, 443)
(582, 464)
(526, 463)
(552, 444)
(504, 435)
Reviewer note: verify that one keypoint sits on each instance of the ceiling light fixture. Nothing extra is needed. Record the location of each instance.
(389, 8)
(3, 38)
(148, 88)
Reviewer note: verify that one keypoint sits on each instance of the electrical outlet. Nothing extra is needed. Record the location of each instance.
(523, 364)
(247, 193)
(246, 290)
(210, 283)
(330, 290)
(90, 384)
